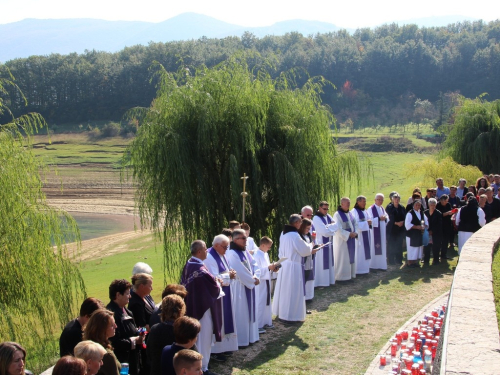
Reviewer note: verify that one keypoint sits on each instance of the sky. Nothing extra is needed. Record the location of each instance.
(345, 13)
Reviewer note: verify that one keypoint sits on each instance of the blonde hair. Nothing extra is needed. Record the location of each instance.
(141, 279)
(89, 350)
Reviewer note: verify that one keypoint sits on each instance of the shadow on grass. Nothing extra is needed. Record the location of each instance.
(283, 338)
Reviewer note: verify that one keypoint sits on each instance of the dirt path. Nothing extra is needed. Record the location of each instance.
(108, 245)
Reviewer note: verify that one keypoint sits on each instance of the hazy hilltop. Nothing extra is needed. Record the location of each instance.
(45, 36)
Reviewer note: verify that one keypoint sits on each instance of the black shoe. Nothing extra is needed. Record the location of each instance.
(219, 357)
(227, 354)
(450, 258)
(309, 312)
(435, 262)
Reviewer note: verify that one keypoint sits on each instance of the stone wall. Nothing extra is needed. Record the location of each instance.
(471, 343)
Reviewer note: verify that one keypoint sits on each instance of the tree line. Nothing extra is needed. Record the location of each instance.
(387, 75)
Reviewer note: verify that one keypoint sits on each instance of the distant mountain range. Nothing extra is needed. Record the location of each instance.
(43, 37)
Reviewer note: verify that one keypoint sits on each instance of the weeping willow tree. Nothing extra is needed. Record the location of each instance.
(428, 170)
(41, 288)
(475, 134)
(205, 130)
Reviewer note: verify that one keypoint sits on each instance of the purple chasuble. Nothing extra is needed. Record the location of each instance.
(351, 244)
(226, 300)
(366, 237)
(203, 294)
(250, 293)
(377, 238)
(327, 249)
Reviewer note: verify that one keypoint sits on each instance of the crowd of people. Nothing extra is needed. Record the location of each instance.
(224, 300)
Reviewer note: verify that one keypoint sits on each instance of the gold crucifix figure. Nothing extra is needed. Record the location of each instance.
(244, 194)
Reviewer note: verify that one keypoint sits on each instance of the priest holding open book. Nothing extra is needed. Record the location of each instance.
(289, 302)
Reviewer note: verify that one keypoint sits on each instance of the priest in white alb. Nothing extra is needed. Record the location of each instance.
(324, 273)
(289, 303)
(218, 266)
(344, 242)
(363, 256)
(244, 292)
(378, 238)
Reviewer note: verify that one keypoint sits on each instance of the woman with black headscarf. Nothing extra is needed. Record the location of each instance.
(395, 230)
(469, 219)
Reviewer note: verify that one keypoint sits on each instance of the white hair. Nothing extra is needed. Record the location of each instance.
(432, 201)
(379, 195)
(220, 238)
(344, 199)
(141, 267)
(306, 208)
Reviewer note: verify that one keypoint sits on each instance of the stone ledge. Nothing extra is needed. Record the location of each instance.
(472, 344)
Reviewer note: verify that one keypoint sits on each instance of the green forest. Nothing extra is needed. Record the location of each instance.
(383, 76)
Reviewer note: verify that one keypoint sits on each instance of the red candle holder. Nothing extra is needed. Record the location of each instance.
(383, 360)
(437, 329)
(419, 345)
(414, 369)
(394, 349)
(399, 339)
(405, 335)
(409, 362)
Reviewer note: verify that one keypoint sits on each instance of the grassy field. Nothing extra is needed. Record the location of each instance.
(64, 149)
(495, 268)
(99, 273)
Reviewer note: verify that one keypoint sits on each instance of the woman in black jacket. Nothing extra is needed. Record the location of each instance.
(395, 230)
(127, 340)
(435, 219)
(445, 208)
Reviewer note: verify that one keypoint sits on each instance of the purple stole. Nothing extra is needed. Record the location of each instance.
(250, 293)
(226, 300)
(377, 238)
(351, 244)
(326, 249)
(203, 294)
(366, 237)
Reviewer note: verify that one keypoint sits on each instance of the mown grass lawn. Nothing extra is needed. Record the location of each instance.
(495, 269)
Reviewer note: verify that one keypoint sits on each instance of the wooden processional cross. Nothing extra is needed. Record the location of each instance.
(244, 194)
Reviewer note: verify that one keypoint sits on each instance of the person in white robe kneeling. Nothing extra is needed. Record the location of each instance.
(244, 293)
(218, 266)
(264, 313)
(344, 242)
(289, 303)
(415, 224)
(378, 236)
(325, 229)
(363, 255)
